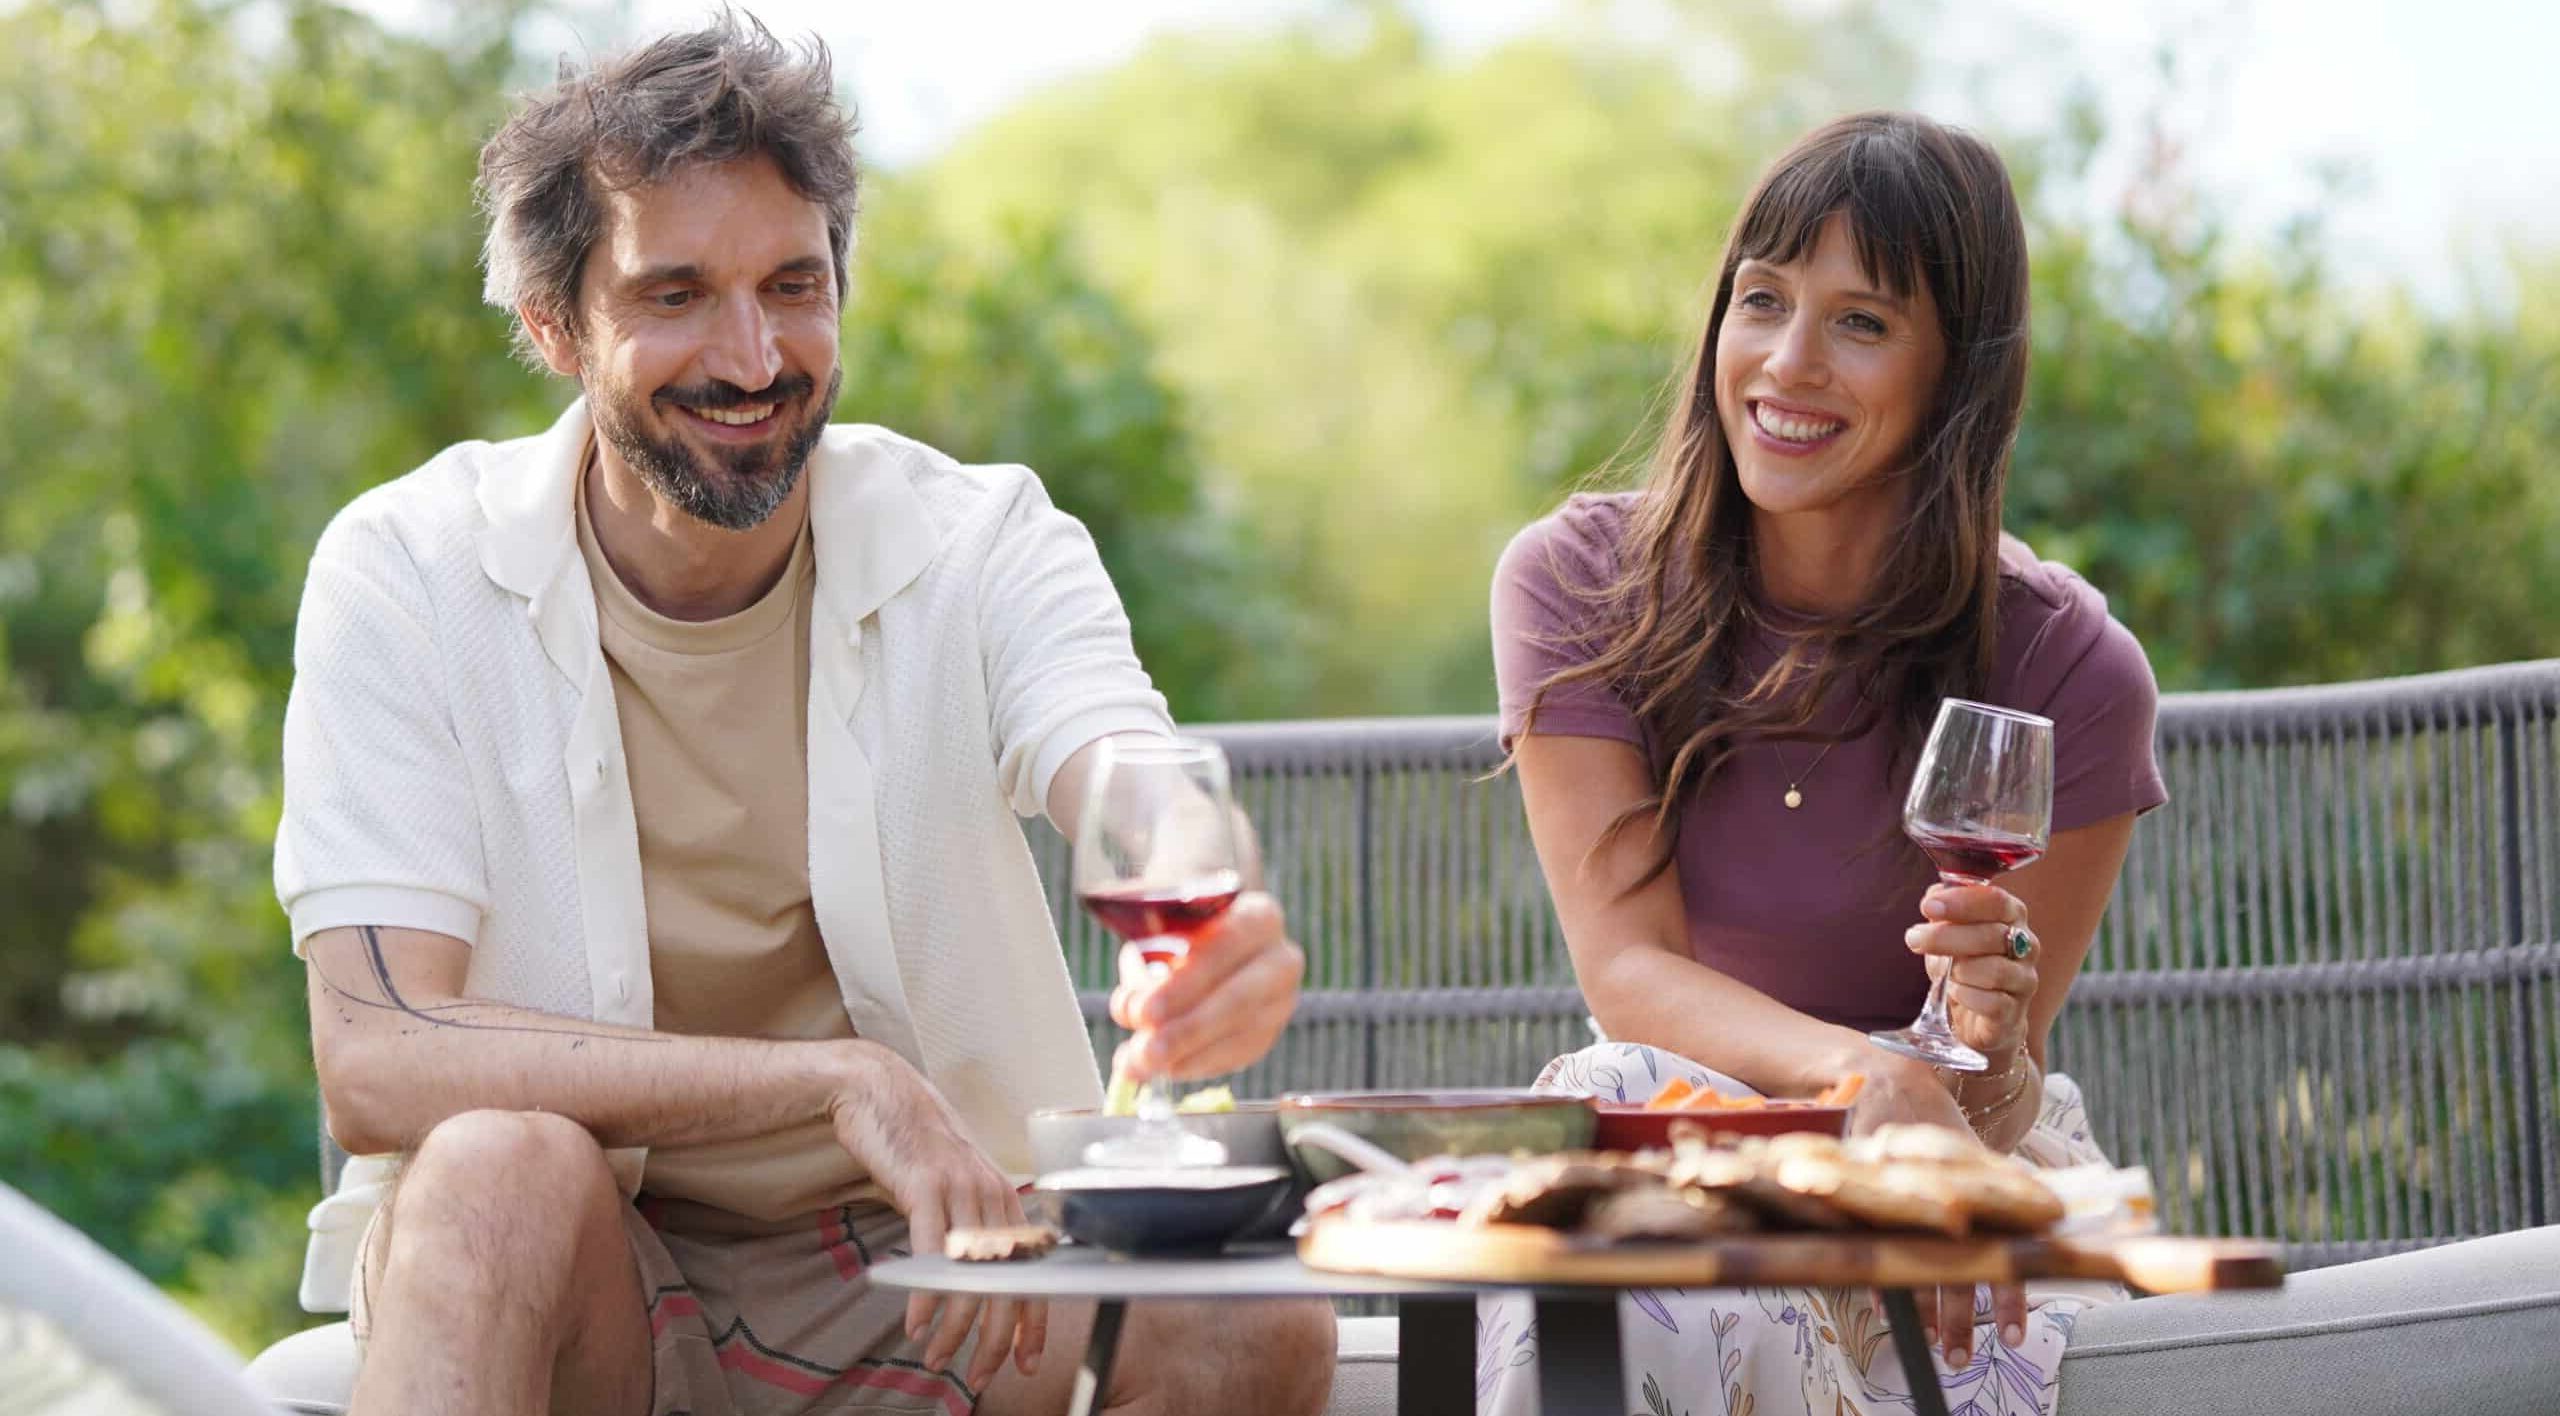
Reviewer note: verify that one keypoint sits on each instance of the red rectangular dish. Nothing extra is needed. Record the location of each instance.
(1630, 1127)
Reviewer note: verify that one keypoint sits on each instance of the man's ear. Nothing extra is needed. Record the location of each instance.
(559, 347)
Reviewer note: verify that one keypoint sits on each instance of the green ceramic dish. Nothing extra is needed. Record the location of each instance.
(1412, 1125)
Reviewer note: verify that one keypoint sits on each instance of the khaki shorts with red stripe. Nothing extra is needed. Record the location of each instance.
(752, 1317)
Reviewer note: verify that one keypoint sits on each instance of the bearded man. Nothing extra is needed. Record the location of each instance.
(650, 830)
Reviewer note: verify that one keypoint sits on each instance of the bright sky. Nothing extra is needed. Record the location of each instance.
(2447, 108)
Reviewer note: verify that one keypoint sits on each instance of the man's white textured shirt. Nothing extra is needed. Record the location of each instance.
(452, 760)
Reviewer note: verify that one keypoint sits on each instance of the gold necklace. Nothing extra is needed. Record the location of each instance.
(1795, 796)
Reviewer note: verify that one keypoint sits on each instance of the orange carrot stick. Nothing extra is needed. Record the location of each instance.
(1843, 1091)
(1709, 1099)
(1672, 1094)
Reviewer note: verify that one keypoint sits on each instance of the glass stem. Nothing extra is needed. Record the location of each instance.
(1155, 1100)
(1933, 1015)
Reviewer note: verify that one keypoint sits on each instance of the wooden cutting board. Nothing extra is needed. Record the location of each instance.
(1525, 1254)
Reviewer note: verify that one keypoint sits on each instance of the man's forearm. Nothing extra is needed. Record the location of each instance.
(392, 1066)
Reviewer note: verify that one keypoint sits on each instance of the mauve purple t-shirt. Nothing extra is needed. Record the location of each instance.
(1809, 906)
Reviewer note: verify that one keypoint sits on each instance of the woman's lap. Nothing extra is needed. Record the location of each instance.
(1787, 1350)
(2473, 1327)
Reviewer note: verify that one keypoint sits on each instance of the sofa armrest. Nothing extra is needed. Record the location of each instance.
(1364, 1371)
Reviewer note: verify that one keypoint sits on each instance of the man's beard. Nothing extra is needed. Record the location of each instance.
(745, 484)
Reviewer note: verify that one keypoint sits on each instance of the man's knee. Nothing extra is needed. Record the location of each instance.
(512, 1183)
(1267, 1357)
(1300, 1341)
(512, 1150)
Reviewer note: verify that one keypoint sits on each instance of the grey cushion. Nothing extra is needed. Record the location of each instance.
(1364, 1367)
(312, 1372)
(2471, 1327)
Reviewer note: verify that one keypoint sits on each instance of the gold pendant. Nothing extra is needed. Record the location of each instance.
(1794, 798)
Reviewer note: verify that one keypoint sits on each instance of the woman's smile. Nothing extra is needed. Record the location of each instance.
(1790, 430)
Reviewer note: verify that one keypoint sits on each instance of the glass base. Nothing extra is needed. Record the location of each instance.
(1935, 1048)
(1155, 1148)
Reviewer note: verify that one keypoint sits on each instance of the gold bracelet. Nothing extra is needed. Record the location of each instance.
(2021, 1068)
(2020, 1064)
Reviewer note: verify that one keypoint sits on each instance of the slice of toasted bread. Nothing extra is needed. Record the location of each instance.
(1879, 1196)
(995, 1244)
(1557, 1191)
(1662, 1213)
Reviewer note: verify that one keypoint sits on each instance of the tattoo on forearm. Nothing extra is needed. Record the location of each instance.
(440, 1015)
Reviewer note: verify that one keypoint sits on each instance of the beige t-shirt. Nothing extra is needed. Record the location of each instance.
(715, 718)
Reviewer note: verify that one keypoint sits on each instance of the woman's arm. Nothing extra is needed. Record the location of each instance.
(1631, 951)
(2066, 894)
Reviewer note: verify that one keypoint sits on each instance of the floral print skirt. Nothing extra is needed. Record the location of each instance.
(1788, 1351)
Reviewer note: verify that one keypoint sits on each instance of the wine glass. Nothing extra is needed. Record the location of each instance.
(1158, 861)
(1981, 803)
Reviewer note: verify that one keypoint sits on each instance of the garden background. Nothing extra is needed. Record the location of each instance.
(1304, 319)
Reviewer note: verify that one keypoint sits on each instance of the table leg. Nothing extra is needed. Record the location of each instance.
(1436, 1357)
(1580, 1369)
(1093, 1379)
(1911, 1344)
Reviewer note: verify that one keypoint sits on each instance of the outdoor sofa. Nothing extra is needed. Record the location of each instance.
(2323, 1009)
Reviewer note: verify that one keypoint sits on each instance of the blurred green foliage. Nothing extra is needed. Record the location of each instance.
(1303, 323)
(235, 288)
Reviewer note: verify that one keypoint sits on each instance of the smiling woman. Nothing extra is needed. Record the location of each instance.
(1821, 383)
(1815, 564)
(1841, 449)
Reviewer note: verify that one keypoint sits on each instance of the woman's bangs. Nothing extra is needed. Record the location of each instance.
(1858, 180)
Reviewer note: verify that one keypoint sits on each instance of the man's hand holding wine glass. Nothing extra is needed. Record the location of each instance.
(1208, 977)
(1223, 1009)
(1227, 1004)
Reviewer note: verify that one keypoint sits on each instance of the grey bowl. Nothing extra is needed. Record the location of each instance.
(1165, 1212)
(1251, 1134)
(1413, 1125)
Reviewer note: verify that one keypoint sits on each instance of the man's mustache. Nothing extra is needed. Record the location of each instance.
(718, 394)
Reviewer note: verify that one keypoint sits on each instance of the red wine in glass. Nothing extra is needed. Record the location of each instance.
(1158, 859)
(1163, 920)
(1973, 858)
(1981, 804)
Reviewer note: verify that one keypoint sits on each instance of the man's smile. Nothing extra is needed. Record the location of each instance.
(746, 423)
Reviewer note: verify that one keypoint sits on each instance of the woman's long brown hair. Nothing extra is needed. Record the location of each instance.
(1925, 204)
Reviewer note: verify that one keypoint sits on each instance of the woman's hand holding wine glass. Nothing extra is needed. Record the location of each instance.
(1981, 803)
(1969, 935)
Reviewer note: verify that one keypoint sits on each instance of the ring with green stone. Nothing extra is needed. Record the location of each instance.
(2021, 943)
